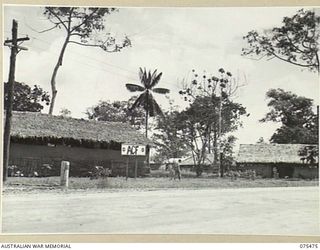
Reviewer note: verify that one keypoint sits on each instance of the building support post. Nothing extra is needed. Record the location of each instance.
(127, 168)
(136, 168)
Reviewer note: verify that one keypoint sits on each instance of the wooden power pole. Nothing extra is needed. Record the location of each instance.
(15, 48)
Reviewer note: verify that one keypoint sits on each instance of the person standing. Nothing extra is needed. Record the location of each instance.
(177, 170)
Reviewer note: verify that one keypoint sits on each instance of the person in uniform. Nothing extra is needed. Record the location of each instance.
(177, 170)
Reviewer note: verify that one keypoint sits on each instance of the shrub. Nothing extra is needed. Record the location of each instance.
(99, 172)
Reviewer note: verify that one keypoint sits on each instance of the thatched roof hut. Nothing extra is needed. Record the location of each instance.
(209, 160)
(33, 126)
(271, 153)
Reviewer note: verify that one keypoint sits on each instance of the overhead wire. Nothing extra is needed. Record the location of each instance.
(133, 73)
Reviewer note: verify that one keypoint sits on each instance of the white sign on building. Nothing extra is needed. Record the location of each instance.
(131, 149)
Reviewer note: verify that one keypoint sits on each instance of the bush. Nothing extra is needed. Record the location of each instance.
(247, 174)
(43, 170)
(99, 172)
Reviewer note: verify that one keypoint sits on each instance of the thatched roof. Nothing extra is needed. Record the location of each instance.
(37, 125)
(189, 161)
(270, 153)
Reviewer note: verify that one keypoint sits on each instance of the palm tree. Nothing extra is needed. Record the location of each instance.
(146, 100)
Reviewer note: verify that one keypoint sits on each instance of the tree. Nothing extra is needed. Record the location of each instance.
(309, 154)
(200, 124)
(146, 99)
(211, 114)
(228, 153)
(260, 140)
(295, 42)
(117, 111)
(26, 98)
(167, 137)
(299, 122)
(82, 26)
(65, 112)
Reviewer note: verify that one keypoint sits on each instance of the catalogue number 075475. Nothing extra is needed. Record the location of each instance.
(309, 245)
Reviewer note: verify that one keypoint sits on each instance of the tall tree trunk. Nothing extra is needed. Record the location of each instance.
(318, 63)
(54, 75)
(147, 117)
(215, 146)
(219, 131)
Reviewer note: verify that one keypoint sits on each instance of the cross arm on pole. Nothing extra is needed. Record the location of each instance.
(18, 40)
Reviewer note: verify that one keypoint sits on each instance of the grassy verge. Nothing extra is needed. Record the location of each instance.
(14, 184)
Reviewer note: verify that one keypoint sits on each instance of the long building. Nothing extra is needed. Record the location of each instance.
(40, 142)
(288, 160)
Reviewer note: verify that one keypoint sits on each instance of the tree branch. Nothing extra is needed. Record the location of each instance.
(84, 44)
(318, 62)
(56, 22)
(287, 60)
(257, 59)
(60, 20)
(294, 46)
(42, 31)
(69, 20)
(76, 34)
(85, 20)
(93, 45)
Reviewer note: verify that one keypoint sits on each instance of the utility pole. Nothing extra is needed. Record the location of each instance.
(15, 48)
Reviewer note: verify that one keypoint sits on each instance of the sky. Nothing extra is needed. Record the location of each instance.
(172, 40)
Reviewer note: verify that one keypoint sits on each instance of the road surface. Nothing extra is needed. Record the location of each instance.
(267, 211)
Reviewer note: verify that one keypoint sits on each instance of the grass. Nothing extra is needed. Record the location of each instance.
(154, 182)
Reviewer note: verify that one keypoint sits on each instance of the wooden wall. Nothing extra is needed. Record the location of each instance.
(292, 170)
(81, 159)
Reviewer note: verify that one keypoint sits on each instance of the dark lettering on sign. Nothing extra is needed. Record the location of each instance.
(132, 150)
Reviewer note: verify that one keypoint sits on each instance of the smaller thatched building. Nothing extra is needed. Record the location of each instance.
(188, 163)
(39, 140)
(288, 160)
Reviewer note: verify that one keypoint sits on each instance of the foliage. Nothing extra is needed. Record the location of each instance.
(227, 146)
(299, 122)
(309, 154)
(211, 114)
(43, 170)
(99, 172)
(81, 22)
(146, 100)
(117, 111)
(295, 42)
(26, 98)
(65, 112)
(84, 26)
(199, 124)
(168, 139)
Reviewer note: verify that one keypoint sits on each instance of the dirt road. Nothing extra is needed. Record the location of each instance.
(280, 211)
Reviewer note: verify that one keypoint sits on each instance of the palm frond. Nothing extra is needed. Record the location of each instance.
(153, 107)
(154, 74)
(141, 75)
(155, 80)
(145, 78)
(140, 102)
(161, 90)
(134, 87)
(148, 80)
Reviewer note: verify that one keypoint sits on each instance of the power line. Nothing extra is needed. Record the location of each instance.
(133, 73)
(92, 66)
